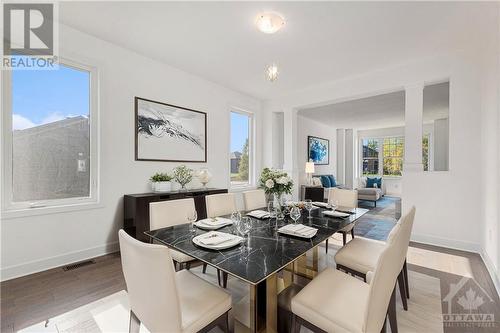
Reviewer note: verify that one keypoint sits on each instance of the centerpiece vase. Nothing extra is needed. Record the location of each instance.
(279, 208)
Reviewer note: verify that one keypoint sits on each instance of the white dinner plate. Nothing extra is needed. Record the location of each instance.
(235, 240)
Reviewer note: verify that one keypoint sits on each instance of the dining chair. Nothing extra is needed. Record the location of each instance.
(337, 302)
(169, 213)
(254, 199)
(348, 199)
(220, 205)
(360, 255)
(164, 300)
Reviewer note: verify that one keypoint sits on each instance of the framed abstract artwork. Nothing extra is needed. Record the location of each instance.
(318, 150)
(165, 132)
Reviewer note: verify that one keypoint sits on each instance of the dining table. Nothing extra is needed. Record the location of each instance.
(267, 260)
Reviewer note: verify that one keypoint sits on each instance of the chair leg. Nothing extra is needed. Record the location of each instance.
(295, 324)
(392, 312)
(384, 328)
(188, 265)
(344, 238)
(225, 323)
(224, 280)
(326, 245)
(407, 286)
(402, 289)
(135, 323)
(352, 233)
(205, 268)
(218, 277)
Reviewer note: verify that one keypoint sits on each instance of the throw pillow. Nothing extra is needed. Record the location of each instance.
(316, 181)
(379, 182)
(333, 182)
(325, 181)
(370, 182)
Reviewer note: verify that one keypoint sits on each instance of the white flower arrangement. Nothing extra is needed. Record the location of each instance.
(275, 182)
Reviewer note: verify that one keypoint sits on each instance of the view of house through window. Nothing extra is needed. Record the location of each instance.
(50, 134)
(390, 162)
(240, 149)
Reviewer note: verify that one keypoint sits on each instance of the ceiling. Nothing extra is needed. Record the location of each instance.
(321, 41)
(381, 111)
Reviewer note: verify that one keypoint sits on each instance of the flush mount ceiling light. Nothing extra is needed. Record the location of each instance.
(269, 22)
(272, 72)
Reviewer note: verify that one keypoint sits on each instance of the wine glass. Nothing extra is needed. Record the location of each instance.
(192, 217)
(309, 206)
(295, 214)
(244, 227)
(235, 217)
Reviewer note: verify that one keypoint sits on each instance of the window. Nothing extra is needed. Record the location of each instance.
(50, 137)
(390, 161)
(370, 157)
(393, 156)
(241, 149)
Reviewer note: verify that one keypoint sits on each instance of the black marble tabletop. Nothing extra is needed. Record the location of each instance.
(268, 251)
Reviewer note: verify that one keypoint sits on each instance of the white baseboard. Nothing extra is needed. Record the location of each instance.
(491, 269)
(446, 242)
(35, 266)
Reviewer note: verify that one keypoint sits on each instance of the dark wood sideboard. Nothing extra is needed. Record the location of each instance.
(136, 207)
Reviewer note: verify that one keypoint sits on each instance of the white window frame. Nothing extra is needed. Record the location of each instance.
(16, 209)
(251, 149)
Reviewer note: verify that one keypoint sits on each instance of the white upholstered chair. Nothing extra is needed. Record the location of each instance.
(220, 204)
(165, 300)
(254, 199)
(346, 199)
(337, 302)
(360, 255)
(169, 213)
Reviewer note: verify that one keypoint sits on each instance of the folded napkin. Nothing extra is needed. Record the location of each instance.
(215, 238)
(336, 214)
(215, 221)
(298, 229)
(259, 214)
(320, 204)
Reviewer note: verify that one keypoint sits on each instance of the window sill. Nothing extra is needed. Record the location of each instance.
(27, 212)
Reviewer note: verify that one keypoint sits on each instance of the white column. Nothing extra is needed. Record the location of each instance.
(341, 156)
(349, 158)
(414, 104)
(290, 148)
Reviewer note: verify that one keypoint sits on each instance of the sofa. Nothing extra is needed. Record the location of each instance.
(317, 181)
(370, 193)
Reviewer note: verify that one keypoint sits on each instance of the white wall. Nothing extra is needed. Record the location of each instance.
(35, 243)
(306, 127)
(441, 144)
(490, 153)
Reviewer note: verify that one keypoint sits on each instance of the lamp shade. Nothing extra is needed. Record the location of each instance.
(309, 167)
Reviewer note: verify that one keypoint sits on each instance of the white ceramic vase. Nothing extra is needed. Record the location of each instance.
(161, 186)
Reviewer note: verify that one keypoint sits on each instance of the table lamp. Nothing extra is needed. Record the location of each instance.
(309, 171)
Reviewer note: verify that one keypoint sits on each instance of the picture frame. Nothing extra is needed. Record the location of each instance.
(318, 150)
(169, 133)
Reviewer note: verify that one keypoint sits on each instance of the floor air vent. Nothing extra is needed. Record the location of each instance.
(78, 265)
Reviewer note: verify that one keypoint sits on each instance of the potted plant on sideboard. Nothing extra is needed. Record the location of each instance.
(183, 175)
(161, 182)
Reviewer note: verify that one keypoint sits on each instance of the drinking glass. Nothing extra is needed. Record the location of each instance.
(295, 214)
(192, 217)
(309, 206)
(235, 217)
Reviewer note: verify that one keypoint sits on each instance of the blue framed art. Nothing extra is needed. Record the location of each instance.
(318, 150)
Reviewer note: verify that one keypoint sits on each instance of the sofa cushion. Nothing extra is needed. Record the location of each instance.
(325, 181)
(333, 182)
(316, 181)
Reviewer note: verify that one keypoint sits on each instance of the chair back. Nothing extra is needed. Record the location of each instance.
(254, 199)
(344, 197)
(220, 204)
(169, 213)
(150, 278)
(383, 280)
